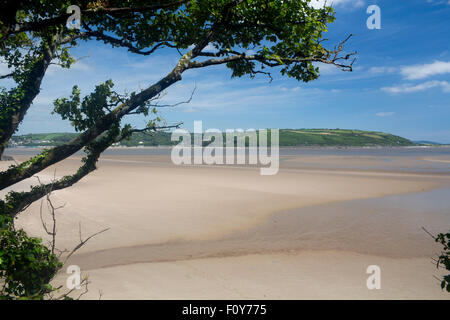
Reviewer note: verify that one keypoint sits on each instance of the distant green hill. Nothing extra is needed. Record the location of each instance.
(429, 143)
(339, 137)
(288, 138)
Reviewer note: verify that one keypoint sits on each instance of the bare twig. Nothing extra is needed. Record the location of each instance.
(83, 242)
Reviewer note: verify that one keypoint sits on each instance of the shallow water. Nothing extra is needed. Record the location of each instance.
(390, 226)
(406, 159)
(284, 151)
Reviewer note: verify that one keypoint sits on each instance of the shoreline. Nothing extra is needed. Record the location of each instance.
(444, 146)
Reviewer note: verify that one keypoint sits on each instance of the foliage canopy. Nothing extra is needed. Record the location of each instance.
(249, 37)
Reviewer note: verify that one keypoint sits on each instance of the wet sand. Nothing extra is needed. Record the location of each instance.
(227, 232)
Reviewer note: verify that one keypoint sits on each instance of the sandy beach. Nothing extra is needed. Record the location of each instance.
(226, 232)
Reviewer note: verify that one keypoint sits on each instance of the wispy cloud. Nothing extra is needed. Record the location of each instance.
(327, 69)
(422, 71)
(385, 114)
(444, 85)
(334, 3)
(382, 70)
(237, 94)
(414, 72)
(447, 2)
(79, 67)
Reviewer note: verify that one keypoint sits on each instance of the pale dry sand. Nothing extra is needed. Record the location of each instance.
(228, 232)
(284, 275)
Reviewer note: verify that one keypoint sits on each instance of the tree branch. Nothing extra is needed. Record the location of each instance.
(19, 201)
(9, 75)
(122, 43)
(30, 89)
(332, 58)
(45, 23)
(49, 157)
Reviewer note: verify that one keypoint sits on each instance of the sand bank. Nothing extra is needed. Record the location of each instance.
(228, 232)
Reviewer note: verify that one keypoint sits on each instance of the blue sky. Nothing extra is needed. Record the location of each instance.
(400, 83)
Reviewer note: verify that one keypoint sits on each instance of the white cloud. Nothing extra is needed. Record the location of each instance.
(190, 109)
(382, 70)
(327, 69)
(415, 72)
(320, 3)
(422, 71)
(385, 114)
(235, 94)
(81, 67)
(444, 85)
(437, 2)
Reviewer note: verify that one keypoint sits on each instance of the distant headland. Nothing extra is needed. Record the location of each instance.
(288, 138)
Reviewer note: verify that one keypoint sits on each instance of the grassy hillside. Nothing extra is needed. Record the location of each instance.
(288, 138)
(339, 137)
